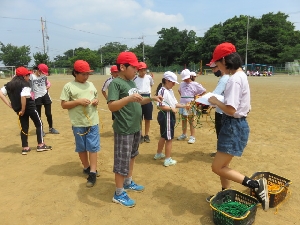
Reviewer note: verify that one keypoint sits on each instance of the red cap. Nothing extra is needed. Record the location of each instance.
(43, 68)
(114, 68)
(128, 57)
(211, 64)
(22, 71)
(223, 50)
(142, 65)
(82, 66)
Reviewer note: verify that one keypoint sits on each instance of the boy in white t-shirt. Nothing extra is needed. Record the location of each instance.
(144, 83)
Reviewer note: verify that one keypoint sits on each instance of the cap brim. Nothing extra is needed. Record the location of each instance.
(135, 64)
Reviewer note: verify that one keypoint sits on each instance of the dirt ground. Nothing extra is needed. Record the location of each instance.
(49, 187)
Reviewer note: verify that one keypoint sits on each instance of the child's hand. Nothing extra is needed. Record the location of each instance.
(188, 106)
(21, 113)
(213, 100)
(135, 98)
(95, 102)
(84, 101)
(174, 110)
(158, 98)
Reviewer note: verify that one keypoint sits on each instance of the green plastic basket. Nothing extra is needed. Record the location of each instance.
(223, 218)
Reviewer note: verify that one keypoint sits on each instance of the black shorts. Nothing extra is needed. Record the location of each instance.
(44, 100)
(166, 120)
(147, 109)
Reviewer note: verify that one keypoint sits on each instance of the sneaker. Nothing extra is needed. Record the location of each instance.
(262, 193)
(53, 131)
(142, 139)
(88, 170)
(91, 180)
(169, 162)
(191, 140)
(134, 187)
(181, 137)
(159, 156)
(209, 198)
(43, 148)
(25, 151)
(146, 139)
(123, 199)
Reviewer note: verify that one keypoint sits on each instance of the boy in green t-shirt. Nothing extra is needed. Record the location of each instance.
(125, 103)
(80, 98)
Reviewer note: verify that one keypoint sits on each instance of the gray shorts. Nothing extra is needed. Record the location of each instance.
(126, 147)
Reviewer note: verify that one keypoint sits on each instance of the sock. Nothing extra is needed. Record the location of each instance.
(223, 189)
(250, 183)
(119, 191)
(86, 168)
(127, 181)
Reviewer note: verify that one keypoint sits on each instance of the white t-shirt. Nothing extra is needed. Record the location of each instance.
(237, 94)
(169, 98)
(106, 83)
(38, 85)
(144, 84)
(220, 89)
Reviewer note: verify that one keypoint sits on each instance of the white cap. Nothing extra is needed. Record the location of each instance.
(193, 74)
(185, 74)
(170, 76)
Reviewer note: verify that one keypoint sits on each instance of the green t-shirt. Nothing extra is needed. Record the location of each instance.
(81, 116)
(127, 119)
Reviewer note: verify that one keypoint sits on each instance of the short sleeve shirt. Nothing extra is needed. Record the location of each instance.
(169, 98)
(144, 84)
(128, 118)
(220, 89)
(38, 85)
(106, 83)
(237, 94)
(81, 116)
(189, 90)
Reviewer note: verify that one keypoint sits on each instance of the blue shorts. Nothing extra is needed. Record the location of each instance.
(166, 120)
(126, 147)
(233, 136)
(185, 112)
(89, 140)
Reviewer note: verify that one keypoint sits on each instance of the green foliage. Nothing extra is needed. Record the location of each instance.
(110, 52)
(12, 55)
(40, 57)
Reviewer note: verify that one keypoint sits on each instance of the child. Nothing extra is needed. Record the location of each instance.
(80, 98)
(114, 74)
(234, 132)
(18, 91)
(220, 91)
(125, 103)
(39, 86)
(188, 89)
(166, 118)
(144, 83)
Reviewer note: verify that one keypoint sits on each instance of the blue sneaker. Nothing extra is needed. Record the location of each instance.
(123, 199)
(134, 187)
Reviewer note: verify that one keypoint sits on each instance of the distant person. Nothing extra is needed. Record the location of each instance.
(188, 89)
(18, 91)
(220, 91)
(144, 83)
(166, 118)
(80, 98)
(39, 86)
(114, 74)
(234, 133)
(125, 103)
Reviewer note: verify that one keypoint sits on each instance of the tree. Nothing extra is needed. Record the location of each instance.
(12, 55)
(88, 55)
(41, 58)
(138, 50)
(110, 51)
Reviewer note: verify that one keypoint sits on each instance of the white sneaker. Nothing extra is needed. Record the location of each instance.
(192, 140)
(181, 137)
(159, 156)
(169, 162)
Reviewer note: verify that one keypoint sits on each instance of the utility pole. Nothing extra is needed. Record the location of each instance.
(42, 22)
(247, 46)
(143, 49)
(101, 54)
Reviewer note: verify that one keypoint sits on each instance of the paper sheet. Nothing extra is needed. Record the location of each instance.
(204, 98)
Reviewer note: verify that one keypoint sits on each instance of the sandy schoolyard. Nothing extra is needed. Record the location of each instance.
(49, 187)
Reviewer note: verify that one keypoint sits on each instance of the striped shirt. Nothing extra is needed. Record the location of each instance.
(106, 83)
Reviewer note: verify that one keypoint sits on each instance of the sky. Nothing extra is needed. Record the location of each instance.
(93, 23)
